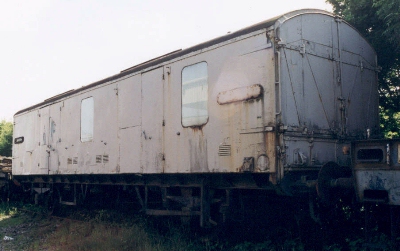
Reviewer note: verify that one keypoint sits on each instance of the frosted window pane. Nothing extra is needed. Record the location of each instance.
(195, 95)
(87, 115)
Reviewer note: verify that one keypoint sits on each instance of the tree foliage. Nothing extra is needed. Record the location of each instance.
(6, 137)
(379, 22)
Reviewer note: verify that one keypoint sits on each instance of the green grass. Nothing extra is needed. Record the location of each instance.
(107, 230)
(75, 235)
(8, 215)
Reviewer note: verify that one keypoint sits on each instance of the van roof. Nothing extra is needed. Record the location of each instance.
(175, 54)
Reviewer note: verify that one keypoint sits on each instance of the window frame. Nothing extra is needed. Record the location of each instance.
(87, 123)
(198, 120)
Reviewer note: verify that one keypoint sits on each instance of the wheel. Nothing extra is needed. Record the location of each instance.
(51, 202)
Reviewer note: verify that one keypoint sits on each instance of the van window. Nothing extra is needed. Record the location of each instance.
(195, 95)
(87, 117)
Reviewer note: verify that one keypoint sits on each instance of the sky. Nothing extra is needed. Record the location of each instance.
(52, 46)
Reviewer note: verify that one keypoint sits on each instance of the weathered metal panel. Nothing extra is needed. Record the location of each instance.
(54, 138)
(308, 81)
(240, 124)
(361, 98)
(379, 180)
(69, 128)
(315, 152)
(232, 66)
(129, 101)
(319, 29)
(105, 142)
(359, 82)
(100, 154)
(43, 164)
(130, 150)
(129, 119)
(152, 158)
(25, 154)
(325, 90)
(377, 171)
(359, 88)
(174, 152)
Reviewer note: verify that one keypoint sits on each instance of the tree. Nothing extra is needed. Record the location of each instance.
(389, 11)
(6, 137)
(379, 22)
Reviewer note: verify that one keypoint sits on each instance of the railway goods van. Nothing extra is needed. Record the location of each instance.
(263, 108)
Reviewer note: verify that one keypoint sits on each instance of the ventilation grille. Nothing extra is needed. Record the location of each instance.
(224, 150)
(102, 158)
(105, 158)
(98, 158)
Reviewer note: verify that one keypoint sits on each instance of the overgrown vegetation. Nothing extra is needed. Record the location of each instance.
(7, 211)
(6, 137)
(110, 230)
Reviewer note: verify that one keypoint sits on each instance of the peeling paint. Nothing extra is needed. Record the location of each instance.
(379, 180)
(240, 94)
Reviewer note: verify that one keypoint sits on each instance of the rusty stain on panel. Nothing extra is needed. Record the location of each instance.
(270, 139)
(240, 94)
(198, 154)
(248, 165)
